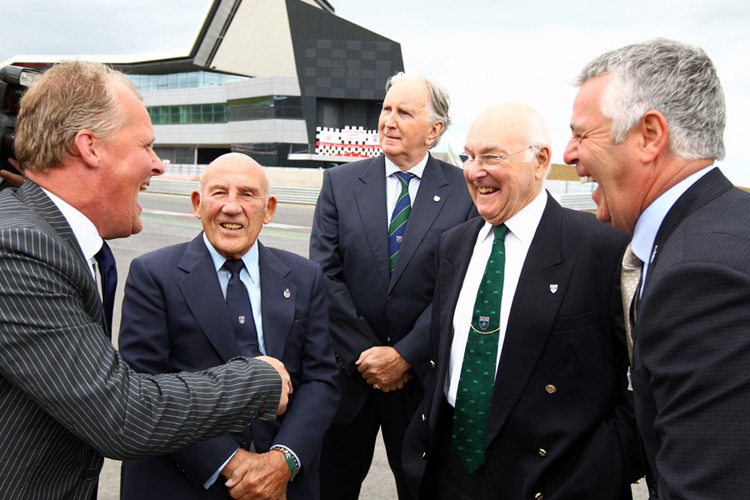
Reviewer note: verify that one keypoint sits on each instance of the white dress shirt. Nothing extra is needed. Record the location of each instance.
(83, 229)
(521, 229)
(393, 185)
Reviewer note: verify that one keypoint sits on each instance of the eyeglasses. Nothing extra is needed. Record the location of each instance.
(488, 160)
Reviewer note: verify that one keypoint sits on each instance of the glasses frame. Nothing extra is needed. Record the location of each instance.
(490, 160)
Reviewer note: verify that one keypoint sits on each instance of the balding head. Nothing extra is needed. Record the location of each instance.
(233, 203)
(501, 188)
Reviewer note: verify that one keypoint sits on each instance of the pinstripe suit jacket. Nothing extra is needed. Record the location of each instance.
(66, 395)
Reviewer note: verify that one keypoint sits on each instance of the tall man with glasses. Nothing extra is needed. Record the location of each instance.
(528, 396)
(374, 234)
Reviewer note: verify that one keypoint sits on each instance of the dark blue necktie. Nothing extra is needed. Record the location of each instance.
(400, 216)
(241, 311)
(108, 273)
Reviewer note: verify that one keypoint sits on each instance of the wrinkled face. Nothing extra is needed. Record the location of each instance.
(128, 163)
(501, 191)
(594, 153)
(232, 205)
(404, 127)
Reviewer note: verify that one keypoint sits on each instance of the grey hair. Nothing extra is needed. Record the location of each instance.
(676, 79)
(538, 134)
(440, 102)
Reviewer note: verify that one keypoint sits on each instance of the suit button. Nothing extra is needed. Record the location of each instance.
(538, 496)
(542, 452)
(551, 389)
(245, 446)
(90, 474)
(433, 364)
(424, 417)
(390, 299)
(424, 455)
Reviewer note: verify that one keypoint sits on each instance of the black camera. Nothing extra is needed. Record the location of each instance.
(13, 81)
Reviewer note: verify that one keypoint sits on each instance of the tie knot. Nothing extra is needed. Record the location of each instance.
(500, 232)
(630, 259)
(234, 266)
(404, 177)
(104, 257)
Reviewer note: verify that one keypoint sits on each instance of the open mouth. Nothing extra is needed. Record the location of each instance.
(233, 227)
(486, 190)
(586, 179)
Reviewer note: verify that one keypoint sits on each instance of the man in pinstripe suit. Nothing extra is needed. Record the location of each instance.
(66, 396)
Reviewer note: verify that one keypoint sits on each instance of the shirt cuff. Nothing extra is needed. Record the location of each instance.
(211, 480)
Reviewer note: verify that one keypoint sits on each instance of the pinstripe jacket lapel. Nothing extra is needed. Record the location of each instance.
(36, 199)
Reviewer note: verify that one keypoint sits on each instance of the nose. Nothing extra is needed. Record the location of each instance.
(231, 205)
(473, 170)
(157, 166)
(570, 156)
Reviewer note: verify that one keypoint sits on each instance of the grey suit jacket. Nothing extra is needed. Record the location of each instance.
(368, 305)
(66, 395)
(691, 351)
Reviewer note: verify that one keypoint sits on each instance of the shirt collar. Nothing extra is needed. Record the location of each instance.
(250, 259)
(417, 170)
(524, 223)
(650, 220)
(83, 229)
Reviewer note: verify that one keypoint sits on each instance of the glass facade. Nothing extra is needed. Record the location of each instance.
(265, 108)
(190, 80)
(188, 113)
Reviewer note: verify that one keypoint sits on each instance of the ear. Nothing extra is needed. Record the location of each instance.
(195, 197)
(85, 145)
(435, 131)
(270, 209)
(543, 157)
(653, 136)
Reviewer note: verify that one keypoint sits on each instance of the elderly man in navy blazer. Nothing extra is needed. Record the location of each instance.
(175, 317)
(528, 397)
(375, 229)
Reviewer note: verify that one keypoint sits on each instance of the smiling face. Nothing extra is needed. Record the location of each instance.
(232, 203)
(613, 166)
(501, 192)
(405, 128)
(128, 162)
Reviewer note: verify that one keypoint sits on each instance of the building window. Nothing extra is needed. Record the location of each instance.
(188, 113)
(189, 80)
(265, 108)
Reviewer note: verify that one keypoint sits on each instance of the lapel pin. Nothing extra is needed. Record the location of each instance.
(553, 288)
(241, 319)
(287, 293)
(436, 198)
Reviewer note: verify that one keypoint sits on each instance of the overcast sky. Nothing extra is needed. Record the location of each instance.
(483, 51)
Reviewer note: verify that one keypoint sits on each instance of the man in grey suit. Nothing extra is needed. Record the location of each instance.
(84, 140)
(374, 233)
(647, 125)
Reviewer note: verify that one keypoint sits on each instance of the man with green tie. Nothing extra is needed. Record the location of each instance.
(528, 395)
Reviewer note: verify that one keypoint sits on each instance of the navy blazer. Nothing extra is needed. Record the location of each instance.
(368, 305)
(691, 351)
(561, 419)
(174, 318)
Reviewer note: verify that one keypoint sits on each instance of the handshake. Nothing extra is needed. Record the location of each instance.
(286, 381)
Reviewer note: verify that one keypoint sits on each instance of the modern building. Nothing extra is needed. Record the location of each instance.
(286, 81)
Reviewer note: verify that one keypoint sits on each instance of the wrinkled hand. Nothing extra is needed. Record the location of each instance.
(261, 476)
(384, 368)
(286, 381)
